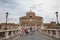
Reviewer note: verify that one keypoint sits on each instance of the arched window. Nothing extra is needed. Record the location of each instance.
(30, 16)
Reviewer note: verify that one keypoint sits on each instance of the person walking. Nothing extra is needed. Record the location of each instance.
(22, 31)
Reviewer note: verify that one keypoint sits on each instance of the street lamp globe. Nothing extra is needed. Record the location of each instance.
(56, 13)
(57, 17)
(6, 13)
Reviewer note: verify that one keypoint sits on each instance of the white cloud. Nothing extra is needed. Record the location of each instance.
(18, 8)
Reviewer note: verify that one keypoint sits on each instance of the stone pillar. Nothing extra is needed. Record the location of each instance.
(25, 26)
(15, 32)
(6, 34)
(43, 31)
(12, 33)
(47, 32)
(57, 34)
(18, 32)
(42, 27)
(51, 34)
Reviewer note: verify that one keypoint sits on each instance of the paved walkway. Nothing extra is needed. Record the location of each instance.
(36, 36)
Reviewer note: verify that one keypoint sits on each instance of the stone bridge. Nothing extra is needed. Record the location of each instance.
(5, 34)
(47, 34)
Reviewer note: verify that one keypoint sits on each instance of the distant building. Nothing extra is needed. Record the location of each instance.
(46, 25)
(51, 25)
(30, 20)
(9, 26)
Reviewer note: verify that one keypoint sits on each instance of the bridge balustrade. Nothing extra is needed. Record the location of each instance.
(52, 32)
(4, 34)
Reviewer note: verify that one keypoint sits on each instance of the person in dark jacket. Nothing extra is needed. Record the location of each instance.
(26, 31)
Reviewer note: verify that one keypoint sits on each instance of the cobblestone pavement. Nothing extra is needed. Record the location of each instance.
(36, 36)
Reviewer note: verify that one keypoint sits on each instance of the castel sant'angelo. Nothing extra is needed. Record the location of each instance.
(30, 20)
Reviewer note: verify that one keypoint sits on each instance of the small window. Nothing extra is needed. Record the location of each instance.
(30, 16)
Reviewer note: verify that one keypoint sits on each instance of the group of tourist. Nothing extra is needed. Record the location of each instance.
(24, 31)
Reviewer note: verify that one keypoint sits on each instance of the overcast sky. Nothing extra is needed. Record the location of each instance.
(19, 8)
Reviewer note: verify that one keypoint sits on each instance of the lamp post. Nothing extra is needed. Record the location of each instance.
(6, 20)
(57, 17)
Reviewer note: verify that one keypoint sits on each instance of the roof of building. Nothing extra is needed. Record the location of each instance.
(10, 24)
(36, 17)
(46, 24)
(31, 14)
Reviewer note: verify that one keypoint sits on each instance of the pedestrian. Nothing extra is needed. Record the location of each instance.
(27, 31)
(20, 32)
(23, 31)
(30, 28)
